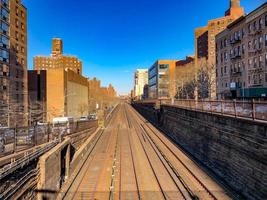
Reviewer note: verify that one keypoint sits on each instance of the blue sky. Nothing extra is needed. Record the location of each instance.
(115, 37)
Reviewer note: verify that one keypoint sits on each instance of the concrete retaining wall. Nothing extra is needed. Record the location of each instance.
(50, 166)
(235, 150)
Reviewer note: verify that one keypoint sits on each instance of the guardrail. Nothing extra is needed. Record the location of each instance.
(254, 110)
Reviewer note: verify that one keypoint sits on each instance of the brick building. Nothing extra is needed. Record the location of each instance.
(205, 39)
(242, 57)
(57, 59)
(13, 62)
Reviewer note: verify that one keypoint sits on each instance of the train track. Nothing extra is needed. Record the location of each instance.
(70, 195)
(165, 159)
(131, 153)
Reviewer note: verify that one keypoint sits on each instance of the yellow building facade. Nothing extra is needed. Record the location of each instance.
(67, 94)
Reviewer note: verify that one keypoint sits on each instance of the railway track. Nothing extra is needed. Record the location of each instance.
(133, 160)
(192, 193)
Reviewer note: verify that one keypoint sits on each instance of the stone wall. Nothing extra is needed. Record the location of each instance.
(233, 150)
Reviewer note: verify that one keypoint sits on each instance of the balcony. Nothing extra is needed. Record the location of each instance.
(236, 73)
(237, 56)
(235, 41)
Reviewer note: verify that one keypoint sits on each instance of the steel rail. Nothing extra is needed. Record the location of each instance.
(183, 164)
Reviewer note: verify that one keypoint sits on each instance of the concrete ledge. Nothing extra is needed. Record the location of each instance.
(53, 166)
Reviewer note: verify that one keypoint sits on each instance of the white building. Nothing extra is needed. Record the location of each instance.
(140, 80)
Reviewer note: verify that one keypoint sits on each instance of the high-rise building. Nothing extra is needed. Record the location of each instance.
(13, 64)
(140, 80)
(242, 57)
(205, 40)
(162, 79)
(57, 59)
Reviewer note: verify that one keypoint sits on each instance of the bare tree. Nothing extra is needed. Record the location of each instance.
(206, 81)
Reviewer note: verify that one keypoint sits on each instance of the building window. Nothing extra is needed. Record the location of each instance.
(243, 32)
(260, 61)
(266, 40)
(249, 44)
(4, 28)
(17, 23)
(4, 41)
(255, 44)
(17, 35)
(249, 63)
(166, 66)
(249, 28)
(4, 55)
(255, 62)
(266, 60)
(4, 15)
(255, 26)
(260, 42)
(265, 20)
(22, 26)
(17, 11)
(243, 48)
(260, 23)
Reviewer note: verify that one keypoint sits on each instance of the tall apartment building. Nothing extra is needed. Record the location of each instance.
(205, 39)
(162, 79)
(13, 64)
(242, 57)
(140, 80)
(57, 59)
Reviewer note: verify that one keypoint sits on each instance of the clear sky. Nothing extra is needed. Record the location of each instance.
(115, 37)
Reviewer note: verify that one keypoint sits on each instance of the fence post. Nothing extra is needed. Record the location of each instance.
(234, 102)
(222, 107)
(190, 104)
(15, 138)
(253, 109)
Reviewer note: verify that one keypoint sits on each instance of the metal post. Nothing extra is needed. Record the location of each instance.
(222, 107)
(234, 102)
(253, 109)
(15, 138)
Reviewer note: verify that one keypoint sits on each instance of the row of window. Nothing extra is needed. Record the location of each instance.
(257, 44)
(238, 35)
(256, 62)
(5, 3)
(20, 24)
(4, 14)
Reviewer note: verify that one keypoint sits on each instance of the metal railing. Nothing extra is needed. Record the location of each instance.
(13, 166)
(255, 110)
